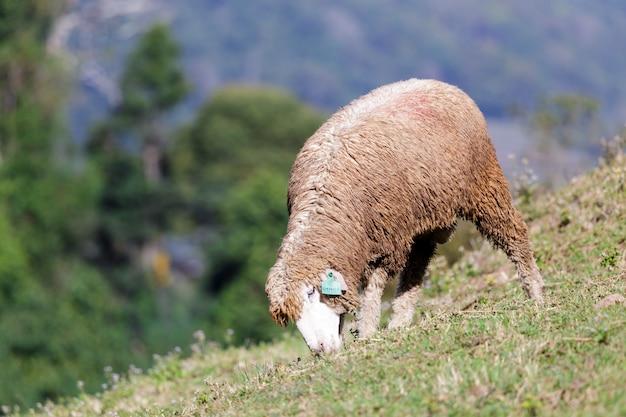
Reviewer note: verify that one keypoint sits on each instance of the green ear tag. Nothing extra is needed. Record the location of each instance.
(330, 286)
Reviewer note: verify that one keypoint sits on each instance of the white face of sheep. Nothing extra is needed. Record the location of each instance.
(320, 326)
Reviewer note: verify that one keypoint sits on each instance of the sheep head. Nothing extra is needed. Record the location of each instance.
(311, 306)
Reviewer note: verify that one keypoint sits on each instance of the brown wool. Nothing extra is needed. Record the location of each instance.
(379, 184)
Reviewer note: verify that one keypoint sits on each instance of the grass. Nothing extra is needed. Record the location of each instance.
(478, 346)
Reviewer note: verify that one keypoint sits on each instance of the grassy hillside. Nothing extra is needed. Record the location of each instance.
(479, 347)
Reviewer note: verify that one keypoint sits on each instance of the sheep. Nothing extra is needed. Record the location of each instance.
(371, 194)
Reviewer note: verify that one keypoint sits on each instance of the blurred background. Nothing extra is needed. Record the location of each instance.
(145, 148)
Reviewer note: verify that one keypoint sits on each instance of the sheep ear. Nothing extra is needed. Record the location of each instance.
(281, 305)
(337, 276)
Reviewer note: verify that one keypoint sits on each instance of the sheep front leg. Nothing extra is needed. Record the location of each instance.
(369, 315)
(408, 289)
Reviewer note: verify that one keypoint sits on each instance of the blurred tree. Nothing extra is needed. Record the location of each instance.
(136, 198)
(152, 84)
(252, 217)
(31, 173)
(233, 165)
(122, 224)
(239, 130)
(566, 120)
(566, 130)
(136, 203)
(58, 321)
(24, 82)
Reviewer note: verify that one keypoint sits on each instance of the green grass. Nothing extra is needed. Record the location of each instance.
(478, 346)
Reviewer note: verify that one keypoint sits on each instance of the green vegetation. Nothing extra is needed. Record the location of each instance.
(151, 85)
(50, 300)
(233, 164)
(122, 246)
(86, 280)
(478, 347)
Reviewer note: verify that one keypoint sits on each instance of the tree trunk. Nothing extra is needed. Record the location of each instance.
(152, 160)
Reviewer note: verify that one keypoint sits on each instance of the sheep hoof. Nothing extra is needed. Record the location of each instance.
(535, 291)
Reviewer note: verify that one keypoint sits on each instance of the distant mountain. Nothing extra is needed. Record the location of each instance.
(329, 52)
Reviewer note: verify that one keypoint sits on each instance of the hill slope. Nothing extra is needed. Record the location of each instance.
(478, 346)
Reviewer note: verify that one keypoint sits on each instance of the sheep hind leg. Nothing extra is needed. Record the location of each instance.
(505, 228)
(410, 279)
(368, 318)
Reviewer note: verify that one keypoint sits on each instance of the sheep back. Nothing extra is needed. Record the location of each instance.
(398, 163)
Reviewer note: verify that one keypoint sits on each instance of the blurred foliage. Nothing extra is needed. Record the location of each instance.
(565, 133)
(51, 339)
(239, 129)
(152, 81)
(232, 165)
(80, 285)
(126, 150)
(151, 84)
(27, 18)
(136, 202)
(252, 219)
(564, 121)
(59, 322)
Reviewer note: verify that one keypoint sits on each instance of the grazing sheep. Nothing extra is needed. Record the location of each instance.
(373, 192)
